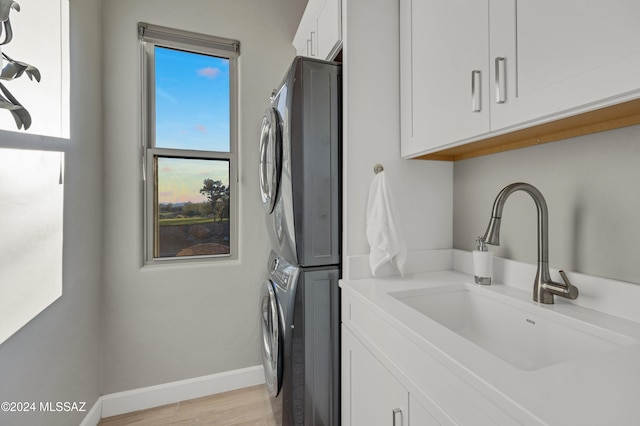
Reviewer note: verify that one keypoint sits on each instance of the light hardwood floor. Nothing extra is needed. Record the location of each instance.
(248, 406)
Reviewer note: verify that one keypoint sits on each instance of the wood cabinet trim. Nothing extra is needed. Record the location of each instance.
(609, 118)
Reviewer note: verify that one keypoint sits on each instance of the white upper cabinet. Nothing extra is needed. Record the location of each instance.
(444, 66)
(319, 34)
(305, 38)
(329, 29)
(561, 56)
(475, 69)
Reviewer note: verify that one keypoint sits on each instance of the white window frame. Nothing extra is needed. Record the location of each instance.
(151, 36)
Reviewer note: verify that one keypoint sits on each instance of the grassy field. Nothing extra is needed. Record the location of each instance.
(187, 221)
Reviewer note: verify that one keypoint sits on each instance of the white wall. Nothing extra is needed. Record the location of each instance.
(590, 184)
(56, 356)
(167, 323)
(422, 189)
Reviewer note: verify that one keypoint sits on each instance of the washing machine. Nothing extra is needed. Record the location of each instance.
(301, 343)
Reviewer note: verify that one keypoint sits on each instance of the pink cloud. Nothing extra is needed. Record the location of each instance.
(201, 128)
(166, 169)
(208, 72)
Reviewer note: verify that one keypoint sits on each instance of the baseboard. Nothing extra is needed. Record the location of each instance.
(94, 415)
(169, 393)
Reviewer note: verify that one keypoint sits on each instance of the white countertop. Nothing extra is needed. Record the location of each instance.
(597, 389)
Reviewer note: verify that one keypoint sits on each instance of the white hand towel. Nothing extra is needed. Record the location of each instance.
(384, 232)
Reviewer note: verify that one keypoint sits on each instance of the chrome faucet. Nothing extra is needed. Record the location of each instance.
(543, 287)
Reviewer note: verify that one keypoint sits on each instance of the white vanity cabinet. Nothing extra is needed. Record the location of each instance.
(475, 69)
(319, 34)
(385, 369)
(374, 396)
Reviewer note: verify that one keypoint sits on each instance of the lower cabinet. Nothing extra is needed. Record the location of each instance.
(418, 415)
(372, 396)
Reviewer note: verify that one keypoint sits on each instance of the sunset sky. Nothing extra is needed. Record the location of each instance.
(180, 180)
(192, 112)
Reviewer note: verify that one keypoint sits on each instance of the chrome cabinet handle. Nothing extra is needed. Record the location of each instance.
(475, 91)
(309, 47)
(397, 412)
(501, 77)
(314, 43)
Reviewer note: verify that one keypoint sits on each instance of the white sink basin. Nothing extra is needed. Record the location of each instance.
(525, 335)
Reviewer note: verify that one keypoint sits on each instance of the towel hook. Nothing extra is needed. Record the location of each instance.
(378, 168)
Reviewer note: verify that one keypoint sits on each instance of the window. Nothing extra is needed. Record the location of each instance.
(189, 144)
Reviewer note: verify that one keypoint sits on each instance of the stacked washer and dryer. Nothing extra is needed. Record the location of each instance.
(300, 182)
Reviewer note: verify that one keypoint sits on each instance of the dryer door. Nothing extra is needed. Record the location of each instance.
(270, 158)
(271, 339)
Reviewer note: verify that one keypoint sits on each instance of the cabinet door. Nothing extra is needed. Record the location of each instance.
(444, 72)
(561, 55)
(306, 38)
(421, 416)
(370, 394)
(302, 44)
(329, 29)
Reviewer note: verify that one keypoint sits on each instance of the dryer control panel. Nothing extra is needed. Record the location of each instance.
(282, 272)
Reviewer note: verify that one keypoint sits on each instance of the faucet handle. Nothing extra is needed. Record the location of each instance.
(572, 290)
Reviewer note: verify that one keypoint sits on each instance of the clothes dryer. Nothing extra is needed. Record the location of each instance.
(300, 157)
